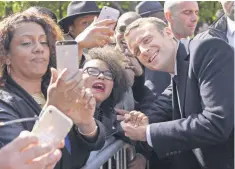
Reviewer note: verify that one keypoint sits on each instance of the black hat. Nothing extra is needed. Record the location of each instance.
(76, 9)
(146, 8)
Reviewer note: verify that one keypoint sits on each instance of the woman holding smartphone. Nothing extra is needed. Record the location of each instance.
(27, 53)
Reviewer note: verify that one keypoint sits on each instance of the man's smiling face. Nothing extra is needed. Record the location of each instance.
(152, 47)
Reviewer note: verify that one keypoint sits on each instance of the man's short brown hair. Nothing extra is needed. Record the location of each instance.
(160, 24)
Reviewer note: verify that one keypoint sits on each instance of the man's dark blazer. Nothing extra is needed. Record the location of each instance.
(156, 81)
(202, 117)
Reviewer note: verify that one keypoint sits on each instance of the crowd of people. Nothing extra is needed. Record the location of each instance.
(150, 82)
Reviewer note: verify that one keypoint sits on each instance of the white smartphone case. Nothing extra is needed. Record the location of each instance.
(108, 13)
(52, 126)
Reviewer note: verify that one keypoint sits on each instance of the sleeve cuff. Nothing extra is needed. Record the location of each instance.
(148, 136)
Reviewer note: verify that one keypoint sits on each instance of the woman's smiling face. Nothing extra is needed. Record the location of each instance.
(99, 79)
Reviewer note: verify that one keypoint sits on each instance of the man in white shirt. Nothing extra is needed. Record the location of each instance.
(228, 7)
(224, 27)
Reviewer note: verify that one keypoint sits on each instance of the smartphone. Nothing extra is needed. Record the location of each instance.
(67, 56)
(52, 126)
(109, 13)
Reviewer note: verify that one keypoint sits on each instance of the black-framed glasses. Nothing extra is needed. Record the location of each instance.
(93, 71)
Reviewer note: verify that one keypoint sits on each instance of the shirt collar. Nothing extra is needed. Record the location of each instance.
(231, 26)
(175, 68)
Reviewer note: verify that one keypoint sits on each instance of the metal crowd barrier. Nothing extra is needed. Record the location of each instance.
(114, 155)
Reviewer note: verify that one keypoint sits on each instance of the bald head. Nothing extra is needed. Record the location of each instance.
(171, 6)
(228, 7)
(125, 20)
(182, 17)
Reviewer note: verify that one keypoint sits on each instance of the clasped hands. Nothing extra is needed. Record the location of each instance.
(134, 124)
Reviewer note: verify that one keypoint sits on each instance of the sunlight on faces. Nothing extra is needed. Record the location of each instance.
(81, 23)
(92, 81)
(184, 19)
(29, 52)
(154, 50)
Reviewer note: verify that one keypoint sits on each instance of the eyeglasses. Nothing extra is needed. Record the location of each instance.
(96, 72)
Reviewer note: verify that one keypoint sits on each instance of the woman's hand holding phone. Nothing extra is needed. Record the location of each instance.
(63, 93)
(69, 97)
(97, 34)
(83, 111)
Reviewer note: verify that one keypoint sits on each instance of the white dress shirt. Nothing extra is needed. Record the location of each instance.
(231, 31)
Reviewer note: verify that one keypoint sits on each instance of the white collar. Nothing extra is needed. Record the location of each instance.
(175, 68)
(231, 26)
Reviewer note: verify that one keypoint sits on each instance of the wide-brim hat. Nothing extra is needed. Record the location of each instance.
(76, 9)
(146, 8)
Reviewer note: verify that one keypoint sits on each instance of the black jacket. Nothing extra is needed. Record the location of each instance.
(16, 103)
(203, 106)
(217, 29)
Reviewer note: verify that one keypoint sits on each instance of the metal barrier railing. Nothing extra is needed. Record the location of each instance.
(114, 155)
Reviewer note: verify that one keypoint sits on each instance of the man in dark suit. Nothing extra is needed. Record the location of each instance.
(200, 124)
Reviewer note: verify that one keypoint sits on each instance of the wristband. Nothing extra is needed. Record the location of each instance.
(88, 134)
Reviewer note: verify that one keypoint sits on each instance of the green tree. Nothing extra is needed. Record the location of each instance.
(207, 8)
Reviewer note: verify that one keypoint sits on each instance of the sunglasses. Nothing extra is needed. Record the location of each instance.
(92, 71)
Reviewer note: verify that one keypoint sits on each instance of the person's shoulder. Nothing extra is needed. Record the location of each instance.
(208, 50)
(209, 44)
(203, 35)
(8, 98)
(5, 95)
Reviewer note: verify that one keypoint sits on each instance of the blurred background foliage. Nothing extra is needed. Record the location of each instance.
(207, 12)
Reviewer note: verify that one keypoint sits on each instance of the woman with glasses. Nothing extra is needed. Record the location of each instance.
(108, 82)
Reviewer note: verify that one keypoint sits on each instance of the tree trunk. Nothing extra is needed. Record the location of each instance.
(9, 9)
(60, 9)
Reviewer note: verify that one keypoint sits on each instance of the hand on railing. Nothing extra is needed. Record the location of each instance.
(139, 162)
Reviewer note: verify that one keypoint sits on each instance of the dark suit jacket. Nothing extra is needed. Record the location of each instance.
(16, 103)
(203, 113)
(156, 81)
(217, 29)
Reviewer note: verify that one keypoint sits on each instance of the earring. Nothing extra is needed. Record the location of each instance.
(8, 66)
(8, 69)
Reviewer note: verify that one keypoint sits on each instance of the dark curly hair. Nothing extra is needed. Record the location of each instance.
(107, 54)
(11, 23)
